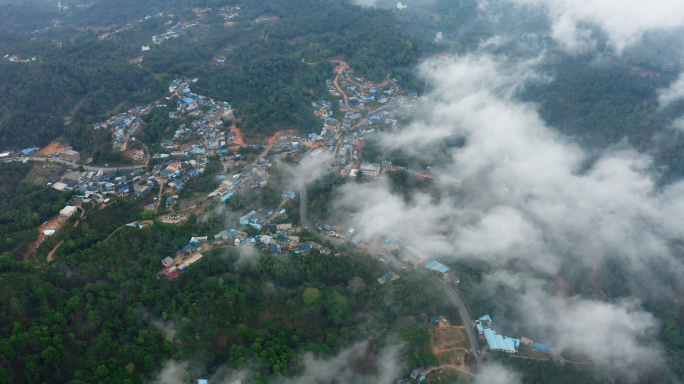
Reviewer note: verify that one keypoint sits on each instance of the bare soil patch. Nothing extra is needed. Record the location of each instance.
(274, 138)
(53, 148)
(447, 339)
(341, 66)
(239, 138)
(53, 224)
(228, 23)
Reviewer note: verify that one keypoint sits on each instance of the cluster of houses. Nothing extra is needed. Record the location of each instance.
(16, 59)
(173, 32)
(252, 176)
(277, 243)
(177, 173)
(123, 125)
(207, 126)
(101, 185)
(230, 12)
(190, 254)
(131, 25)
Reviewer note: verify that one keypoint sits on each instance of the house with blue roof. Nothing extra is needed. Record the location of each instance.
(434, 265)
(495, 341)
(501, 343)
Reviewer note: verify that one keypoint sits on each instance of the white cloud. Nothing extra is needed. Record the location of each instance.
(678, 124)
(339, 369)
(496, 374)
(624, 21)
(173, 373)
(530, 200)
(672, 93)
(605, 332)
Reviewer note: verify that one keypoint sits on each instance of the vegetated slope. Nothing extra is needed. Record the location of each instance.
(23, 207)
(88, 77)
(85, 79)
(97, 313)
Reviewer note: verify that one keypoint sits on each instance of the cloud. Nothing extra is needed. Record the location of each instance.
(496, 374)
(173, 373)
(672, 93)
(678, 124)
(382, 367)
(623, 21)
(393, 3)
(606, 332)
(531, 201)
(247, 258)
(169, 328)
(308, 170)
(341, 368)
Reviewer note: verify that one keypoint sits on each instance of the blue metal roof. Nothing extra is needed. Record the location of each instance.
(431, 264)
(500, 343)
(356, 239)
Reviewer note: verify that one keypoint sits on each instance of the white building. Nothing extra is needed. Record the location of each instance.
(68, 211)
(370, 169)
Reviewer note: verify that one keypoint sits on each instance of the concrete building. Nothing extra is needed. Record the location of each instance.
(70, 155)
(68, 211)
(370, 170)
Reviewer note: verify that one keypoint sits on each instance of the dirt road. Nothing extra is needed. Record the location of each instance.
(51, 255)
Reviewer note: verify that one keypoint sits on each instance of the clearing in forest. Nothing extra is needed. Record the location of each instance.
(447, 338)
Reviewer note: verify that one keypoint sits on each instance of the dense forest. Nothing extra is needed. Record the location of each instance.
(100, 314)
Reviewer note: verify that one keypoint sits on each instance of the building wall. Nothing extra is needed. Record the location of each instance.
(71, 155)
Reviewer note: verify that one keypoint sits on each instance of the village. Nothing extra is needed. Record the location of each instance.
(207, 136)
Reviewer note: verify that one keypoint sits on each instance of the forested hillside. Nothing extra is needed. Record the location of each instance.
(99, 314)
(66, 84)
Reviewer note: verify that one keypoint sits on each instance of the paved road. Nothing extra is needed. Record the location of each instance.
(467, 321)
(58, 160)
(303, 201)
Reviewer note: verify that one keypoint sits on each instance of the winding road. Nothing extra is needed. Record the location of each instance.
(467, 321)
(450, 292)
